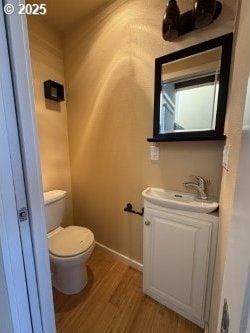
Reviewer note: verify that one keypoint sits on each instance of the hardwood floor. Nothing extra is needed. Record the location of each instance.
(113, 302)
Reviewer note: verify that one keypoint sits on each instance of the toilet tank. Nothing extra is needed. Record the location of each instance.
(54, 202)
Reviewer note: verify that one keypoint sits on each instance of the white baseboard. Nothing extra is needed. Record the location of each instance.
(126, 260)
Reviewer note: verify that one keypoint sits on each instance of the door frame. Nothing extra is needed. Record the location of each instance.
(18, 48)
(10, 244)
(236, 279)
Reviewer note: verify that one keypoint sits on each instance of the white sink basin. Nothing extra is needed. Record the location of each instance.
(179, 200)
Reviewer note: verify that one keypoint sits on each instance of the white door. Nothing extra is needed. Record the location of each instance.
(175, 262)
(23, 241)
(6, 325)
(236, 282)
(11, 200)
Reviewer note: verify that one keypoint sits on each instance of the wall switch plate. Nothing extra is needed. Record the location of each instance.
(226, 157)
(225, 318)
(154, 153)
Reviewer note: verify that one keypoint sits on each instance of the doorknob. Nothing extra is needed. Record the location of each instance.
(147, 222)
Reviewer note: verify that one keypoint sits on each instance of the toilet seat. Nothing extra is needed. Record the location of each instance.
(71, 241)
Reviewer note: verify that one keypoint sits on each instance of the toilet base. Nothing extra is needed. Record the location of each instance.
(69, 274)
(69, 280)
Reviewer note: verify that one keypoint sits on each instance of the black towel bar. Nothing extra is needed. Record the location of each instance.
(129, 209)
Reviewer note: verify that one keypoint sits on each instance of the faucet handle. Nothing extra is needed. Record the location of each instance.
(195, 178)
(201, 181)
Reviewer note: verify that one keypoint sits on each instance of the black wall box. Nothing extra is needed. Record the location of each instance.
(53, 91)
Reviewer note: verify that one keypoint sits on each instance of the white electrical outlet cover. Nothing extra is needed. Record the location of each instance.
(226, 156)
(154, 153)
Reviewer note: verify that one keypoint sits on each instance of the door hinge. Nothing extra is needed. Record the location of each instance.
(23, 214)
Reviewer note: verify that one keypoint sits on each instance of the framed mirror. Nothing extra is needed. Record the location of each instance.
(191, 88)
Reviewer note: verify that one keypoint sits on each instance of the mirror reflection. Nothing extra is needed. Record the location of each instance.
(189, 92)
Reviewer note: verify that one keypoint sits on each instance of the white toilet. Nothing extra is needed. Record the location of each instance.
(69, 248)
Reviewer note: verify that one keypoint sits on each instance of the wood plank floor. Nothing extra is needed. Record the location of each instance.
(113, 302)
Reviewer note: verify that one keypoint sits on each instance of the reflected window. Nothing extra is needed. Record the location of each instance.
(189, 93)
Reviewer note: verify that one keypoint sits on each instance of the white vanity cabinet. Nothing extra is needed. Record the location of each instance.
(178, 258)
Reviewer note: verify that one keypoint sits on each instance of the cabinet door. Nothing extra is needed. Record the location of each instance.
(175, 265)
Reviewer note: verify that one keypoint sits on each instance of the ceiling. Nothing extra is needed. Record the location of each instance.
(63, 14)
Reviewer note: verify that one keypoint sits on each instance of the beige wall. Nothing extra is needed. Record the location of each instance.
(109, 68)
(47, 63)
(236, 103)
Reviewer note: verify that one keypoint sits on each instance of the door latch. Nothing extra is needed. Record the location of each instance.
(225, 318)
(22, 214)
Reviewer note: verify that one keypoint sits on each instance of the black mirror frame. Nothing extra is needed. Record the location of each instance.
(226, 42)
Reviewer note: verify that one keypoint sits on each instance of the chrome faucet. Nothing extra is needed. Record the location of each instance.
(199, 184)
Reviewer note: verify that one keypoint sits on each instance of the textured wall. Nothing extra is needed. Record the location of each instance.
(109, 67)
(47, 63)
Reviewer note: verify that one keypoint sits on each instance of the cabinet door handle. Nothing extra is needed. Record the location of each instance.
(147, 222)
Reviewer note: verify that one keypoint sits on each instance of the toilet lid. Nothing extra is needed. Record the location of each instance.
(71, 241)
